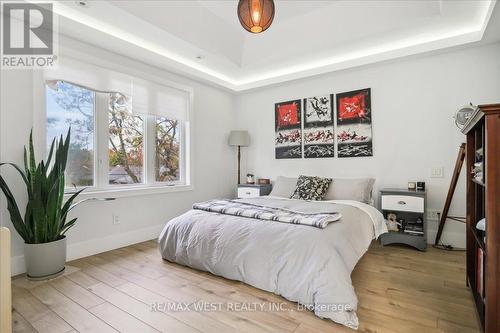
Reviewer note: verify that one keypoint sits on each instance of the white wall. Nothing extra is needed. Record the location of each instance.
(141, 217)
(413, 101)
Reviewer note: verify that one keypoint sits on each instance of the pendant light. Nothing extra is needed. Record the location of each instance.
(256, 15)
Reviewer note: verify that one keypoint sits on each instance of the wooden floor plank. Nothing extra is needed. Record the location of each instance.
(448, 326)
(41, 318)
(319, 327)
(143, 281)
(374, 321)
(399, 290)
(51, 323)
(202, 322)
(83, 279)
(99, 274)
(72, 313)
(138, 264)
(141, 311)
(120, 320)
(27, 305)
(283, 320)
(21, 325)
(76, 293)
(415, 301)
(151, 256)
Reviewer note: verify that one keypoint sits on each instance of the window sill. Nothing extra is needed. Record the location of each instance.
(123, 192)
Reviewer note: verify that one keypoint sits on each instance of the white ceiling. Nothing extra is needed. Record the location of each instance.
(306, 37)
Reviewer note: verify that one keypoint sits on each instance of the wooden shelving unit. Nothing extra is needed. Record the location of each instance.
(483, 201)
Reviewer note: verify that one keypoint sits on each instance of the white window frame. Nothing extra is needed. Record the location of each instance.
(101, 187)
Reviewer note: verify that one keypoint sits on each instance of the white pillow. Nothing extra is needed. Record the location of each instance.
(284, 187)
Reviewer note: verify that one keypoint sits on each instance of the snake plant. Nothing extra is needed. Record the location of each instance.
(45, 216)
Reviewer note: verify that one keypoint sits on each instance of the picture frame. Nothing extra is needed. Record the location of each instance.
(288, 129)
(354, 124)
(319, 132)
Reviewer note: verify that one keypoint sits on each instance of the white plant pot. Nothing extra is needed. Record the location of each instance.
(46, 260)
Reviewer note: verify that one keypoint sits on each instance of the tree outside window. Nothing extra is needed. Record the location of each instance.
(167, 150)
(69, 105)
(126, 140)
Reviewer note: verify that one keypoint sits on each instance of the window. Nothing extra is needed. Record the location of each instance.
(126, 141)
(114, 142)
(69, 105)
(167, 150)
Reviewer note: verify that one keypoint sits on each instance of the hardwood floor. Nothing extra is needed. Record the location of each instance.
(399, 290)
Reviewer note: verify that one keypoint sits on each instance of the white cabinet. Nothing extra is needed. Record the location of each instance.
(403, 203)
(248, 192)
(253, 190)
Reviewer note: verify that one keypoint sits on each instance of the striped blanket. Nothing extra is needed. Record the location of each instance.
(235, 208)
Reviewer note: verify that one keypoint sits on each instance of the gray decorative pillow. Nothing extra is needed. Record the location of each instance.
(284, 187)
(311, 188)
(359, 189)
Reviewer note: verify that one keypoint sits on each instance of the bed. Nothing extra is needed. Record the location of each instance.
(305, 264)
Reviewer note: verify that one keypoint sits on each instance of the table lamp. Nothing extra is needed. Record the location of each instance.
(239, 139)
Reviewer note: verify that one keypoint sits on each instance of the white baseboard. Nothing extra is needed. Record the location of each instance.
(98, 245)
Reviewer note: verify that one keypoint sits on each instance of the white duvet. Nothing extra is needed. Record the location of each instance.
(304, 264)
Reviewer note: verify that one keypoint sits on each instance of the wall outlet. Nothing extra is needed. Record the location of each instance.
(116, 219)
(437, 172)
(433, 214)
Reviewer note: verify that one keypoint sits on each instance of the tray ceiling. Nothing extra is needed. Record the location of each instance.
(203, 39)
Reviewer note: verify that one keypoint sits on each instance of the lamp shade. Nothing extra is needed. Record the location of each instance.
(256, 15)
(239, 138)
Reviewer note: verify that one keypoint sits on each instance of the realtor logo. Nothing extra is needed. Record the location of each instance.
(28, 35)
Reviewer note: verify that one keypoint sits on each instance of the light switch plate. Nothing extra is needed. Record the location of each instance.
(437, 172)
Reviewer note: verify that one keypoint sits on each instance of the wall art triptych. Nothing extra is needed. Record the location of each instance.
(313, 128)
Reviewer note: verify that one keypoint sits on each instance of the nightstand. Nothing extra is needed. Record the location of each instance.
(410, 210)
(253, 190)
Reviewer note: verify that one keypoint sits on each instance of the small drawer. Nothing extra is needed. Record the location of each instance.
(248, 192)
(403, 203)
